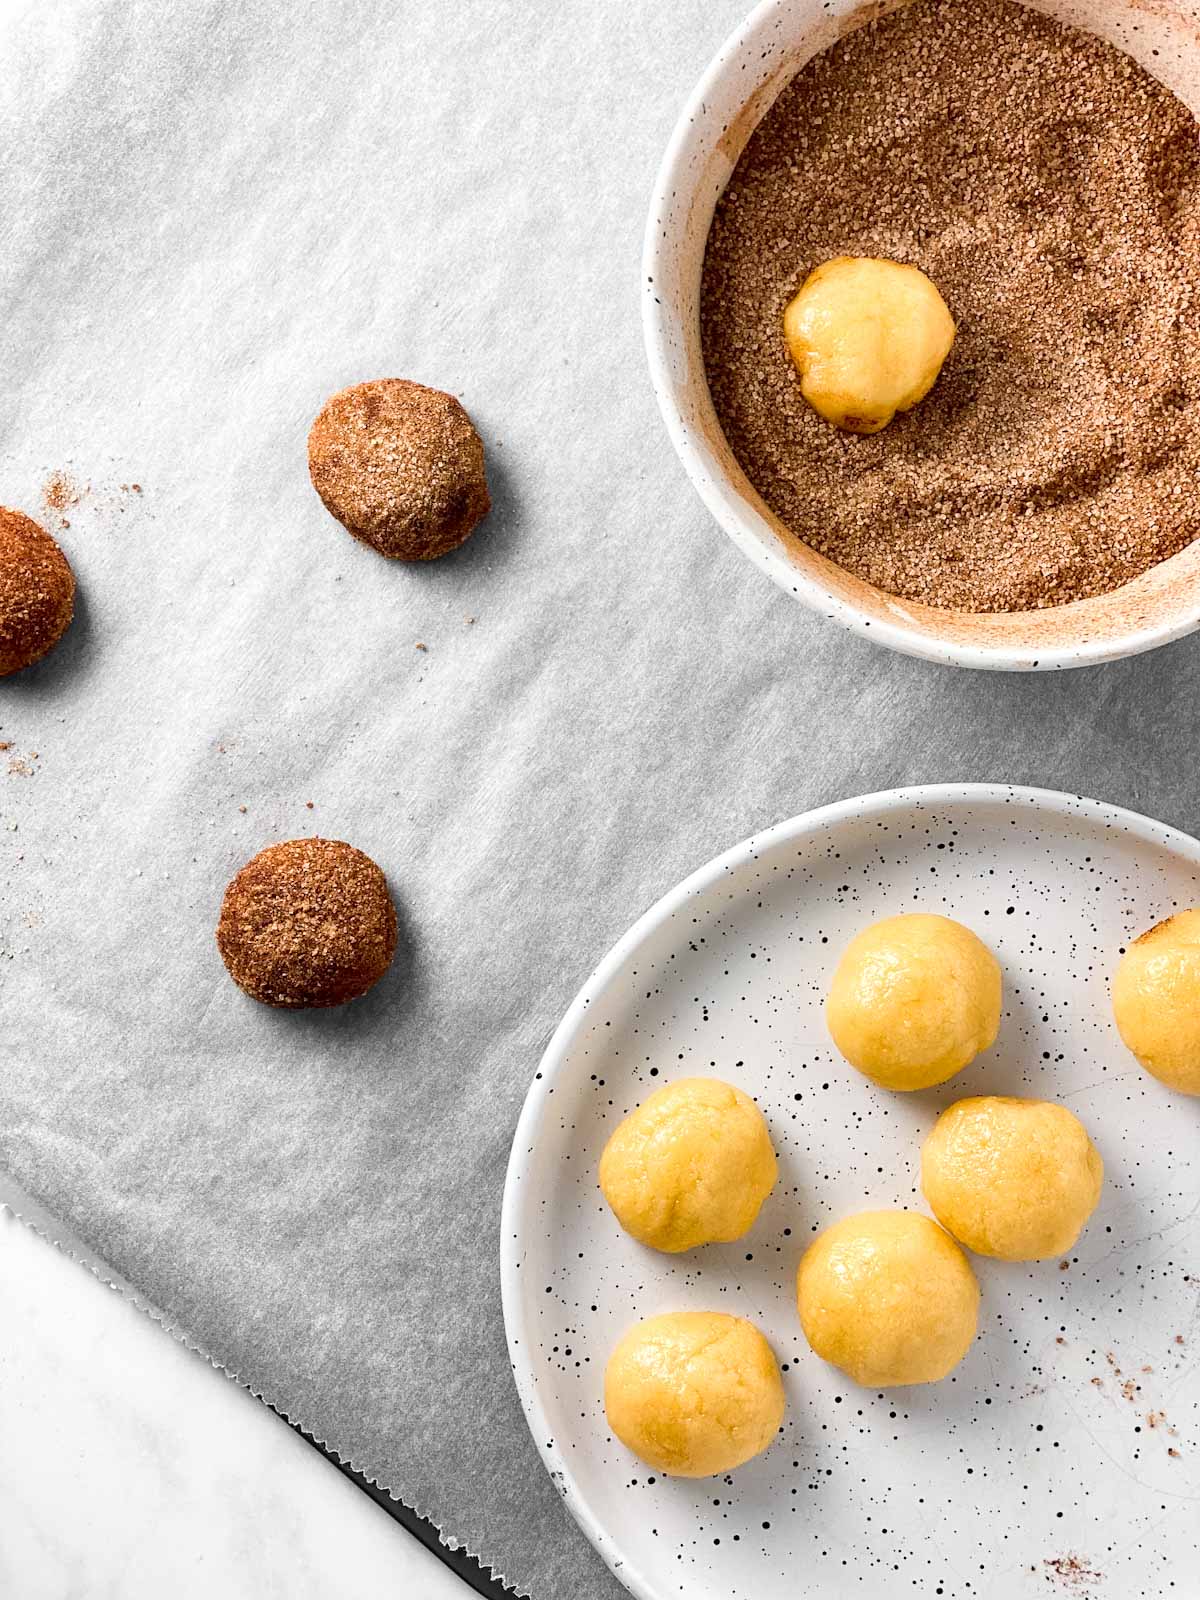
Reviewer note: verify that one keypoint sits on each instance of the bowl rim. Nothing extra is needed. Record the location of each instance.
(517, 1196)
(767, 553)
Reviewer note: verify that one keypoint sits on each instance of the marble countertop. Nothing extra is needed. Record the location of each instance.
(133, 1468)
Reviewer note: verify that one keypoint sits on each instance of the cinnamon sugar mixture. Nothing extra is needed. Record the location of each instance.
(1051, 189)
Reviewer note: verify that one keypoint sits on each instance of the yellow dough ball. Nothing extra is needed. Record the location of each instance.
(889, 1298)
(1156, 1001)
(694, 1393)
(1011, 1178)
(869, 338)
(914, 999)
(692, 1165)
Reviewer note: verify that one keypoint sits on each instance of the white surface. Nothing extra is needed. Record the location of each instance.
(734, 93)
(1035, 1444)
(130, 1467)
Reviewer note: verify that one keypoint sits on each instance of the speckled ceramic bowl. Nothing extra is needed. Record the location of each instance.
(730, 100)
(1063, 1455)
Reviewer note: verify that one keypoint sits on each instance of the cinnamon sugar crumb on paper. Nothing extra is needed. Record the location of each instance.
(59, 492)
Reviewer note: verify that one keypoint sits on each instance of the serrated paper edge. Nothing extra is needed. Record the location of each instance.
(33, 1215)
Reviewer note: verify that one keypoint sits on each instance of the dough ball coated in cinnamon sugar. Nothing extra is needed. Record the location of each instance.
(37, 592)
(307, 923)
(401, 468)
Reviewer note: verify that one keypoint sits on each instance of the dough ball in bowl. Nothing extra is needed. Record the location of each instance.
(694, 1393)
(692, 1165)
(1015, 1179)
(913, 1000)
(889, 1298)
(869, 337)
(1156, 1001)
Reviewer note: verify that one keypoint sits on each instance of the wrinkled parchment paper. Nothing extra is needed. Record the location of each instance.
(213, 215)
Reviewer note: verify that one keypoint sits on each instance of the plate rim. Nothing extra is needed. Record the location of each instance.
(878, 803)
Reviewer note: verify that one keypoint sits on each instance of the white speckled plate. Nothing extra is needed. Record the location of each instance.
(1064, 1454)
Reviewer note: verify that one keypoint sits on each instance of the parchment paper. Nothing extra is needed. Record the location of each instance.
(213, 216)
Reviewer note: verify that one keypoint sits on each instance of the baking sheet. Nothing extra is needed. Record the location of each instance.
(212, 217)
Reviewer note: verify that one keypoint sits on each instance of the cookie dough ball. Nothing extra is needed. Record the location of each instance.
(401, 468)
(889, 1298)
(869, 338)
(694, 1393)
(914, 999)
(307, 923)
(1156, 1001)
(1015, 1179)
(692, 1165)
(37, 592)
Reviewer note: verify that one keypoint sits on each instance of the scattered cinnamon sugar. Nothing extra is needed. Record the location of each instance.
(59, 492)
(1130, 1387)
(1073, 1572)
(1058, 454)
